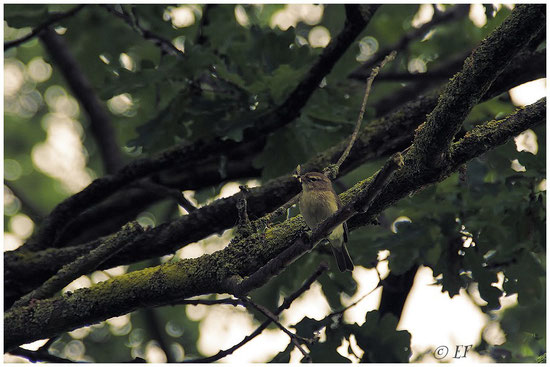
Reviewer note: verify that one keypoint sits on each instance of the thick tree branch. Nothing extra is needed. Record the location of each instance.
(100, 122)
(209, 273)
(25, 269)
(396, 289)
(480, 69)
(285, 305)
(302, 245)
(284, 114)
(84, 264)
(357, 18)
(37, 30)
(515, 74)
(128, 203)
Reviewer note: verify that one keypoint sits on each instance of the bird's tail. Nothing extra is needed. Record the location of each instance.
(342, 257)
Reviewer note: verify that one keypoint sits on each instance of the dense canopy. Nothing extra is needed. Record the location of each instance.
(148, 147)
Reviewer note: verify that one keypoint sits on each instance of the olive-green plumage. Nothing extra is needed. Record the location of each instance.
(317, 202)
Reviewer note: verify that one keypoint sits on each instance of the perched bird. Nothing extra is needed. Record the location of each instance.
(317, 202)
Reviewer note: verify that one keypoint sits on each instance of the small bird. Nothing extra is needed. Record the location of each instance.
(318, 202)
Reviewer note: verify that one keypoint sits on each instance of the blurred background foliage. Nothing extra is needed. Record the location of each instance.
(235, 64)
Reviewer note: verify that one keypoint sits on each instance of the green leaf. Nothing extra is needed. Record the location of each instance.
(307, 327)
(25, 15)
(284, 356)
(483, 277)
(524, 278)
(326, 352)
(282, 153)
(380, 340)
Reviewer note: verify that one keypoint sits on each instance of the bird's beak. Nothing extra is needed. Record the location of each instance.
(298, 177)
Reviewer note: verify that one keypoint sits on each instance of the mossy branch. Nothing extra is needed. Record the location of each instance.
(169, 282)
(24, 270)
(480, 70)
(84, 264)
(48, 235)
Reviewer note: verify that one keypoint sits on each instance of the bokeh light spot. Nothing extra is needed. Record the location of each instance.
(241, 16)
(174, 329)
(127, 62)
(154, 354)
(477, 15)
(39, 70)
(527, 141)
(528, 93)
(21, 225)
(319, 37)
(120, 104)
(424, 14)
(367, 47)
(182, 16)
(11, 242)
(177, 351)
(416, 66)
(74, 350)
(12, 169)
(14, 76)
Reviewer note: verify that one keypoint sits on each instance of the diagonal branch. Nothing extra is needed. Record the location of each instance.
(100, 122)
(332, 170)
(84, 264)
(24, 270)
(38, 30)
(284, 114)
(285, 305)
(238, 168)
(360, 204)
(161, 285)
(466, 88)
(274, 319)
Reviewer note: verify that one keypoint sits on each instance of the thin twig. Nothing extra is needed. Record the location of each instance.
(293, 337)
(211, 302)
(360, 205)
(37, 30)
(332, 170)
(132, 20)
(341, 311)
(187, 155)
(148, 184)
(83, 264)
(466, 88)
(268, 218)
(242, 207)
(37, 356)
(286, 304)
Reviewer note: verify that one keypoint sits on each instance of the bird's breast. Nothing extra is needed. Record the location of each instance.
(317, 206)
